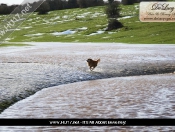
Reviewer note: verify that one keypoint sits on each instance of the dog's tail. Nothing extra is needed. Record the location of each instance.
(98, 60)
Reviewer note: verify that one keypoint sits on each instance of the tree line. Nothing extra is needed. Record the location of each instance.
(51, 5)
(130, 2)
(5, 9)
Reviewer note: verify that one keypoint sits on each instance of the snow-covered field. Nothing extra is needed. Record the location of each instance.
(129, 93)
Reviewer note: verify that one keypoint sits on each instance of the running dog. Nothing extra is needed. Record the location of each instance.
(92, 63)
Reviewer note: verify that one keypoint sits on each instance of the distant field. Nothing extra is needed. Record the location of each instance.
(89, 24)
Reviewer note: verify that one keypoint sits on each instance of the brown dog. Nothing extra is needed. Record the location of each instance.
(92, 63)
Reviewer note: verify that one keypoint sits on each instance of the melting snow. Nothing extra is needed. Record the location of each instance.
(126, 17)
(96, 14)
(106, 37)
(78, 17)
(136, 7)
(98, 25)
(83, 28)
(67, 32)
(98, 32)
(111, 32)
(31, 35)
(65, 17)
(7, 39)
(14, 29)
(58, 17)
(86, 13)
(26, 27)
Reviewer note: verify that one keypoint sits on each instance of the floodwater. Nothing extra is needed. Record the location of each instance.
(53, 68)
(149, 96)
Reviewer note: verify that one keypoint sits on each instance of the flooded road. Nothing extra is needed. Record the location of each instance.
(149, 96)
(53, 68)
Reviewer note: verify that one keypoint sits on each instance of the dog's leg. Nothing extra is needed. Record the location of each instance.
(92, 68)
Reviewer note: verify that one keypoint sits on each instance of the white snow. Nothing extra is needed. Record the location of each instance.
(106, 37)
(29, 20)
(126, 17)
(56, 18)
(67, 32)
(98, 25)
(86, 13)
(7, 39)
(136, 7)
(96, 14)
(98, 32)
(79, 17)
(26, 27)
(82, 28)
(17, 29)
(31, 35)
(65, 17)
(111, 32)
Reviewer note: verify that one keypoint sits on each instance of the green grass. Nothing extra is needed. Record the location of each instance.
(133, 31)
(4, 104)
(12, 44)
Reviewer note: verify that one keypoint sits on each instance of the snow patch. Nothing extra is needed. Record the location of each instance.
(79, 17)
(98, 32)
(83, 28)
(67, 32)
(65, 17)
(26, 27)
(31, 35)
(106, 37)
(56, 18)
(111, 32)
(126, 17)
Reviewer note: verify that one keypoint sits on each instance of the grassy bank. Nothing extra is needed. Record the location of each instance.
(88, 25)
(12, 44)
(4, 104)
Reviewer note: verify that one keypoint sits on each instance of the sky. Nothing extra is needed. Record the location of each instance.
(11, 2)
